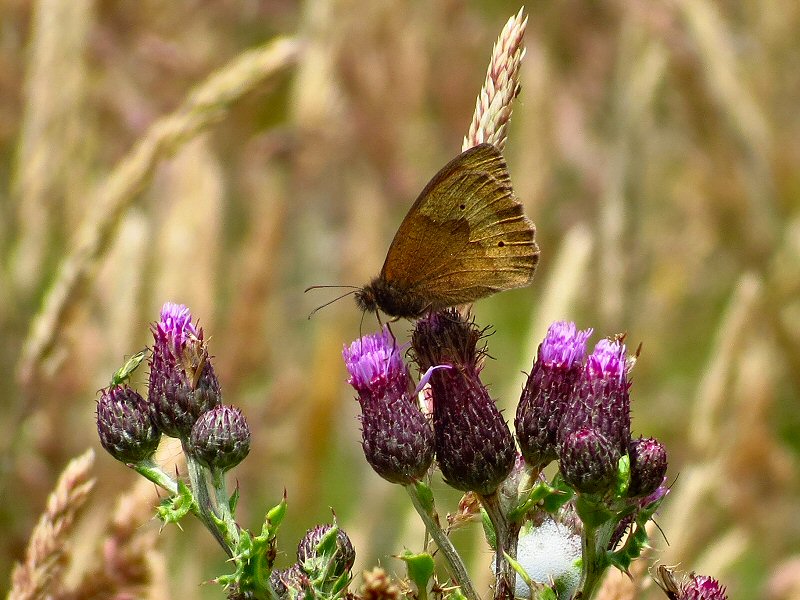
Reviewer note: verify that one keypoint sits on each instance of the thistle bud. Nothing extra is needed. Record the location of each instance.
(548, 390)
(220, 438)
(601, 399)
(474, 447)
(284, 580)
(589, 461)
(648, 466)
(318, 553)
(396, 437)
(182, 381)
(124, 425)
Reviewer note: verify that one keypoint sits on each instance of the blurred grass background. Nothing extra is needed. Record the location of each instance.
(655, 145)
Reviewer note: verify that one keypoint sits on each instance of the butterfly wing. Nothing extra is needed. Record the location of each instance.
(466, 236)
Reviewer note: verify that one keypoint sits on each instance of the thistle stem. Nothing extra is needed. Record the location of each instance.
(456, 566)
(151, 471)
(595, 560)
(224, 508)
(507, 533)
(197, 477)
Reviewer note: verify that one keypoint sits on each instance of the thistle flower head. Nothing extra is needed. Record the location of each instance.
(182, 381)
(396, 437)
(589, 461)
(220, 438)
(648, 466)
(608, 361)
(564, 346)
(176, 322)
(601, 398)
(474, 447)
(447, 338)
(124, 425)
(375, 363)
(702, 587)
(548, 391)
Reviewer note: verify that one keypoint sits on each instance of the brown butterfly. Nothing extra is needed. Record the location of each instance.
(464, 238)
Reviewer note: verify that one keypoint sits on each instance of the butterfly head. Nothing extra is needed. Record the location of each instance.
(365, 298)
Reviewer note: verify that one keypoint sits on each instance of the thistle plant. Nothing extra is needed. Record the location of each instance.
(553, 537)
(184, 400)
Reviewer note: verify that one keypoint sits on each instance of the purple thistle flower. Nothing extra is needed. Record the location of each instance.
(474, 447)
(601, 399)
(589, 461)
(648, 466)
(396, 437)
(548, 390)
(124, 425)
(702, 587)
(182, 381)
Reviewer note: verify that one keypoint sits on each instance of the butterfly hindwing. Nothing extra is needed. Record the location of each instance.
(466, 235)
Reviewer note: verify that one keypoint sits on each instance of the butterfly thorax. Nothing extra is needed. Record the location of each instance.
(390, 299)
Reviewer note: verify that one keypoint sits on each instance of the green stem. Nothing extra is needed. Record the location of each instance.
(507, 534)
(595, 560)
(589, 550)
(224, 508)
(197, 478)
(151, 471)
(456, 566)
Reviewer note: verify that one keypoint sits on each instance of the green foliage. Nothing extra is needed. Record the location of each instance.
(420, 568)
(174, 508)
(254, 557)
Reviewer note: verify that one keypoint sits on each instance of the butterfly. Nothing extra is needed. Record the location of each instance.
(464, 238)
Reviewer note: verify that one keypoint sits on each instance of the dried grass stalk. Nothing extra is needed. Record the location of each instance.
(47, 555)
(204, 106)
(130, 559)
(493, 107)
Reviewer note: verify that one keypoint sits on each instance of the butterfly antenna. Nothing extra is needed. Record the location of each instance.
(319, 287)
(311, 314)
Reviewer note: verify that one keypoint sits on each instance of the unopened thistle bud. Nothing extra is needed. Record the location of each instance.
(318, 553)
(284, 580)
(124, 425)
(220, 438)
(548, 390)
(648, 466)
(589, 461)
(474, 447)
(601, 399)
(182, 381)
(396, 437)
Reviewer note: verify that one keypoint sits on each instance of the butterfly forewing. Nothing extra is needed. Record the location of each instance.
(466, 236)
